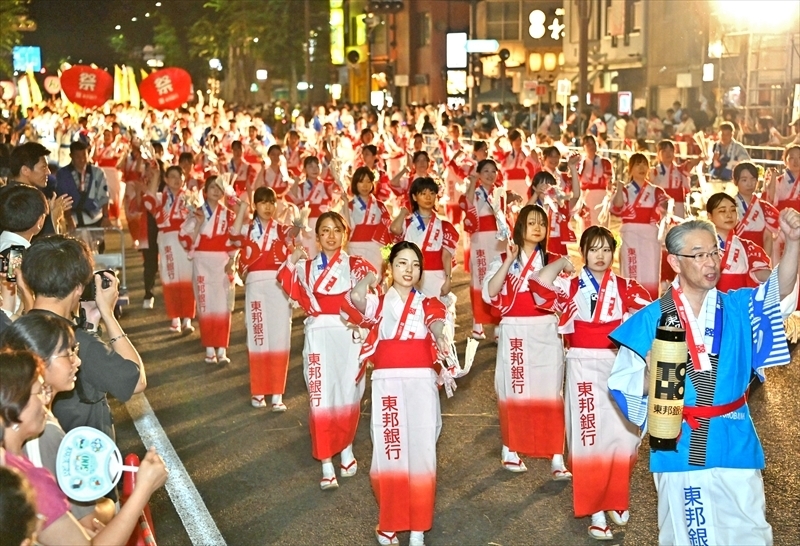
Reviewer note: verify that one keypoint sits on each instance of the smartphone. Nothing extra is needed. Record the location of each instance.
(14, 258)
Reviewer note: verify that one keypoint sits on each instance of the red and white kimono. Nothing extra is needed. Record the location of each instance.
(107, 157)
(739, 262)
(279, 181)
(318, 196)
(482, 223)
(267, 312)
(330, 348)
(406, 417)
(432, 239)
(370, 230)
(135, 185)
(214, 288)
(595, 176)
(640, 252)
(455, 185)
(529, 376)
(787, 195)
(556, 204)
(175, 268)
(294, 160)
(396, 151)
(518, 170)
(757, 218)
(602, 443)
(244, 174)
(674, 180)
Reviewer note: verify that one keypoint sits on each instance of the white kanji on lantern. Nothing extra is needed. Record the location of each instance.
(87, 81)
(163, 85)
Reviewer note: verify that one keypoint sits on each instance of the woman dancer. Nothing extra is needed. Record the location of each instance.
(368, 219)
(529, 376)
(268, 315)
(742, 263)
(485, 222)
(205, 236)
(640, 205)
(406, 419)
(170, 210)
(758, 218)
(331, 348)
(436, 238)
(602, 443)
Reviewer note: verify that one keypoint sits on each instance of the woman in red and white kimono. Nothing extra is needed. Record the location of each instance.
(758, 218)
(275, 176)
(595, 175)
(316, 197)
(205, 236)
(106, 156)
(602, 443)
(673, 178)
(529, 376)
(436, 238)
(408, 334)
(517, 166)
(548, 194)
(132, 166)
(401, 183)
(264, 246)
(331, 347)
(453, 155)
(640, 205)
(784, 190)
(562, 197)
(170, 210)
(485, 222)
(742, 263)
(368, 219)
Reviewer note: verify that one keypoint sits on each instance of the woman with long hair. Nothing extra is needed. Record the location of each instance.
(331, 347)
(409, 333)
(529, 376)
(602, 443)
(368, 219)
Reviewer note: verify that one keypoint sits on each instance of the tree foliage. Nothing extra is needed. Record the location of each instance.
(165, 37)
(12, 12)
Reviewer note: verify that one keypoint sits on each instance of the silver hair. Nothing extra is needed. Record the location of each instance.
(676, 237)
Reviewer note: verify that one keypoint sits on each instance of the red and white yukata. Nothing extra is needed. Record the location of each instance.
(602, 443)
(370, 230)
(674, 180)
(175, 268)
(280, 182)
(432, 239)
(455, 185)
(757, 219)
(294, 160)
(318, 197)
(244, 174)
(518, 170)
(595, 176)
(640, 252)
(739, 262)
(787, 195)
(529, 375)
(331, 347)
(214, 288)
(406, 417)
(556, 205)
(267, 312)
(135, 185)
(107, 158)
(482, 222)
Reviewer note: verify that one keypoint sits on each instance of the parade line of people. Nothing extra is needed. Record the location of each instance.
(363, 235)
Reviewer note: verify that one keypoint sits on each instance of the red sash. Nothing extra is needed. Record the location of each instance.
(692, 413)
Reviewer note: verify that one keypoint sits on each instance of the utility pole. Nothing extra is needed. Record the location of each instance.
(308, 51)
(584, 14)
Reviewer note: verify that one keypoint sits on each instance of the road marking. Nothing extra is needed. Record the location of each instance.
(188, 503)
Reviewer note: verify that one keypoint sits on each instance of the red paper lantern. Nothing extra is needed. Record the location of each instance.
(86, 85)
(166, 89)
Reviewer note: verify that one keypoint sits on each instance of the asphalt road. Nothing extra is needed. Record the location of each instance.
(255, 472)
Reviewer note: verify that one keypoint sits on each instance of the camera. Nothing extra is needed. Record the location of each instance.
(89, 293)
(10, 260)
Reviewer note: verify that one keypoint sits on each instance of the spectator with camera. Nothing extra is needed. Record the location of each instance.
(28, 166)
(57, 270)
(23, 211)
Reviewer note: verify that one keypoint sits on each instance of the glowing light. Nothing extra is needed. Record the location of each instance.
(158, 4)
(133, 19)
(147, 14)
(550, 61)
(760, 14)
(302, 86)
(261, 74)
(118, 27)
(255, 40)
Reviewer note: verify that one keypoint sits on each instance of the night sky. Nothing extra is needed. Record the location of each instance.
(80, 29)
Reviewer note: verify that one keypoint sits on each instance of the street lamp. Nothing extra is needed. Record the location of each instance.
(504, 56)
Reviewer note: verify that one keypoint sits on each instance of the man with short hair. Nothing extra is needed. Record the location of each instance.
(727, 153)
(87, 185)
(708, 479)
(28, 165)
(57, 269)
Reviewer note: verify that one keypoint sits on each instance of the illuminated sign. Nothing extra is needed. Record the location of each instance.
(456, 50)
(27, 57)
(337, 31)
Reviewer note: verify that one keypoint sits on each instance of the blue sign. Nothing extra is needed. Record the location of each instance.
(26, 57)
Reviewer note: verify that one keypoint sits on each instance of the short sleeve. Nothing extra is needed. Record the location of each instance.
(104, 369)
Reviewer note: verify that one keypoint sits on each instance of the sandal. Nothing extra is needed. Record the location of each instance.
(328, 483)
(280, 407)
(348, 471)
(600, 533)
(386, 539)
(479, 335)
(619, 517)
(561, 475)
(515, 466)
(258, 401)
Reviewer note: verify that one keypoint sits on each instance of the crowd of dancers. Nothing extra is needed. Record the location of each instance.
(362, 229)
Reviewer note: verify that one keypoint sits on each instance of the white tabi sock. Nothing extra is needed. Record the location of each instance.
(417, 538)
(347, 455)
(277, 399)
(557, 463)
(599, 519)
(210, 352)
(221, 352)
(327, 470)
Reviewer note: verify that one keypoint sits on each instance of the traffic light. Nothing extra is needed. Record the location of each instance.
(504, 54)
(385, 6)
